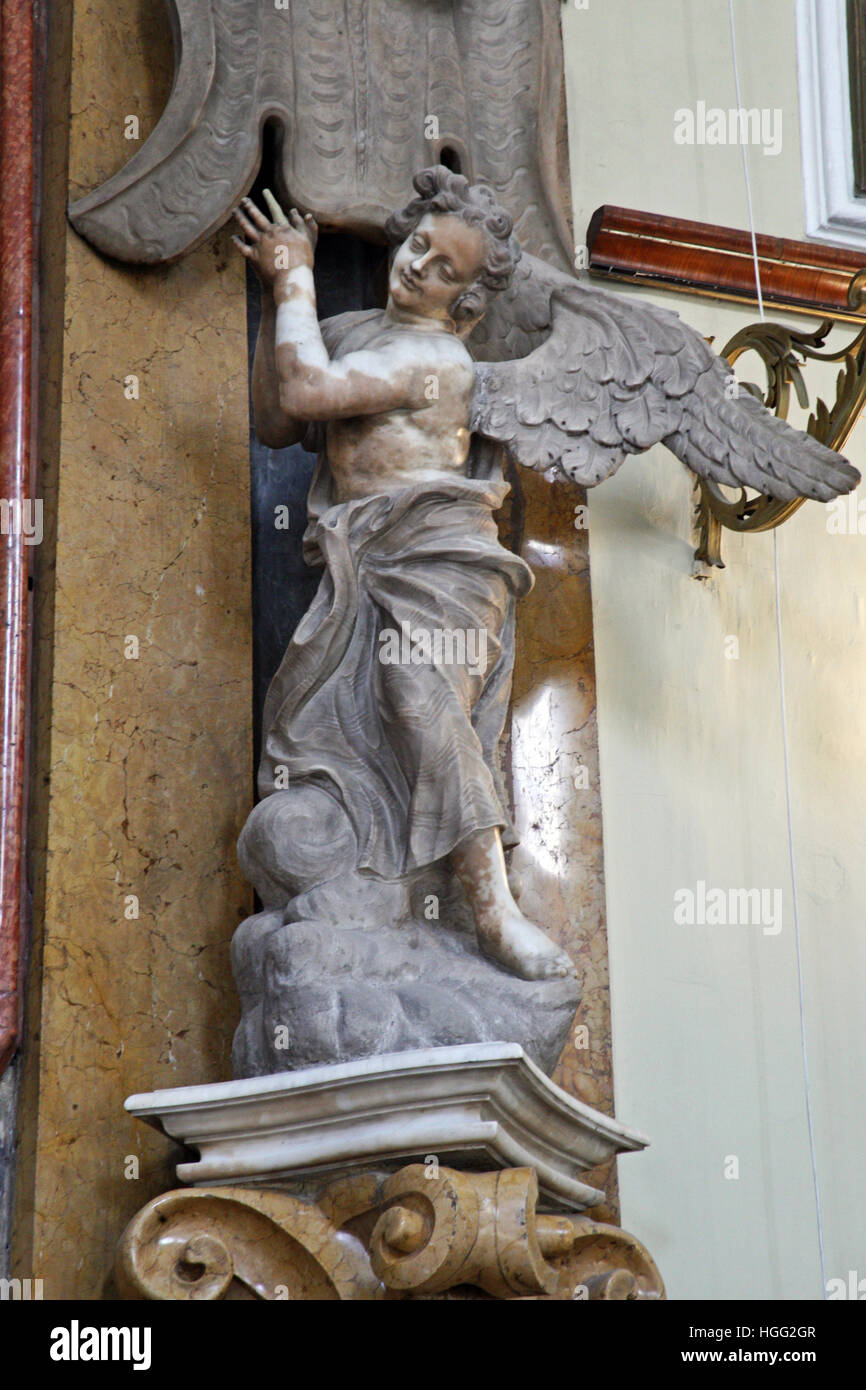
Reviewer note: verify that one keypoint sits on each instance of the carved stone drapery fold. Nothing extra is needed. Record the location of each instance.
(364, 96)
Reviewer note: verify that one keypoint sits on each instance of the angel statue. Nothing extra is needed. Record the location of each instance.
(380, 759)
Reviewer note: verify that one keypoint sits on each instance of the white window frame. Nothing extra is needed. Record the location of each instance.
(832, 212)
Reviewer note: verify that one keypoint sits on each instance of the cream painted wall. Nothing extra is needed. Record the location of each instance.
(705, 1018)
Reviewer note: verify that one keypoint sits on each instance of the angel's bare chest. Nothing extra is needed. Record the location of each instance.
(448, 373)
(440, 351)
(381, 453)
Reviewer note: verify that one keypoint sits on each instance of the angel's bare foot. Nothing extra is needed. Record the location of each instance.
(522, 947)
(503, 931)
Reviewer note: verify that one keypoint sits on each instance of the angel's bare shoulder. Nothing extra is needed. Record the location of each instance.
(443, 353)
(338, 330)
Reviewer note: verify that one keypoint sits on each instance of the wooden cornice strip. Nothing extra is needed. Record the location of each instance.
(17, 237)
(700, 258)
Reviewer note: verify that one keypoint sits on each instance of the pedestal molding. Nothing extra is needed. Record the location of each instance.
(487, 1104)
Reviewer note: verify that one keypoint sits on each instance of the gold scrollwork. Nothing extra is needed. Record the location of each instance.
(784, 352)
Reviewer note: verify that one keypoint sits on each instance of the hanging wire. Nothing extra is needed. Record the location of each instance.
(792, 859)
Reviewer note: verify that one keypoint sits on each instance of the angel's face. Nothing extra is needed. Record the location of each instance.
(434, 265)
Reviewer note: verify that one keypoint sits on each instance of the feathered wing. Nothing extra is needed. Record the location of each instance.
(606, 376)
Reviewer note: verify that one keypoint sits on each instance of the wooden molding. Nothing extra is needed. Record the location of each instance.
(700, 258)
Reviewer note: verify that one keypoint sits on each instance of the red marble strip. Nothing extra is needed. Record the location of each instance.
(16, 324)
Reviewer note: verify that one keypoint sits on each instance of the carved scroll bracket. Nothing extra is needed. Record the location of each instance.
(784, 352)
(422, 1232)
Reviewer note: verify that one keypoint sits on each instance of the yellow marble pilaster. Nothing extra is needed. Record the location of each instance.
(144, 762)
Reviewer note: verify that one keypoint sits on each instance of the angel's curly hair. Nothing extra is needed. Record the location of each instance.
(441, 190)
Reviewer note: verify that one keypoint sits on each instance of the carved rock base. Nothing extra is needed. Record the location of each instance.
(423, 1232)
(351, 968)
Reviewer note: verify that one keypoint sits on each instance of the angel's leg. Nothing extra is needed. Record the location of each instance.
(503, 931)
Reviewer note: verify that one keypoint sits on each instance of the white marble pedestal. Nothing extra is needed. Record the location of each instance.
(479, 1107)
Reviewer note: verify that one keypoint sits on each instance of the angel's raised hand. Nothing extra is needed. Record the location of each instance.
(278, 246)
(306, 224)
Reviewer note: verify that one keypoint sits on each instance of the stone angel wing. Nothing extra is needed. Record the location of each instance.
(605, 376)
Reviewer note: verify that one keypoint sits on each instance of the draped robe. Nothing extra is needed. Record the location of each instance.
(409, 748)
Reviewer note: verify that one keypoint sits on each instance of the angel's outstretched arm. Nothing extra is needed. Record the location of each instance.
(312, 385)
(276, 429)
